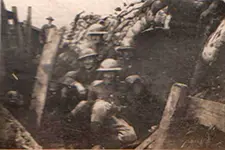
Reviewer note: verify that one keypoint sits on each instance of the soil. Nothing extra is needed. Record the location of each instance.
(192, 135)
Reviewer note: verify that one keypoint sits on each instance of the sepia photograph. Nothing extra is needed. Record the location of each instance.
(112, 74)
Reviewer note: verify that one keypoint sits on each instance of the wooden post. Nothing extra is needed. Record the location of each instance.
(19, 36)
(4, 27)
(29, 30)
(44, 73)
(175, 103)
(148, 141)
(3, 43)
(207, 112)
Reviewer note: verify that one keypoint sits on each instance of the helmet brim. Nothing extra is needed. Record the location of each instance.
(50, 19)
(88, 55)
(97, 33)
(124, 48)
(109, 69)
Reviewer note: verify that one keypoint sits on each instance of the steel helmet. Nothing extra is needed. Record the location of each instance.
(133, 78)
(109, 65)
(50, 18)
(86, 53)
(96, 29)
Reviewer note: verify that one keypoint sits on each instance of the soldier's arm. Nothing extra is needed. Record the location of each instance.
(65, 90)
(91, 94)
(72, 80)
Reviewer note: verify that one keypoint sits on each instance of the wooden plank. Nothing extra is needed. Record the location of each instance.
(44, 73)
(207, 112)
(175, 103)
(29, 30)
(148, 141)
(23, 137)
(19, 36)
(4, 27)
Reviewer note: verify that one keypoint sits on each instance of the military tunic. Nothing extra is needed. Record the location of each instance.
(44, 32)
(83, 77)
(106, 97)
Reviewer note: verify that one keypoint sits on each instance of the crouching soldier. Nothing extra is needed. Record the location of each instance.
(142, 104)
(79, 80)
(104, 99)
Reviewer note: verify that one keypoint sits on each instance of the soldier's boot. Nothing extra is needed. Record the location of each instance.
(198, 77)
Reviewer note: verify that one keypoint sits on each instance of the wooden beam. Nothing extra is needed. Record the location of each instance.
(44, 73)
(175, 103)
(19, 36)
(29, 30)
(207, 112)
(148, 141)
(4, 27)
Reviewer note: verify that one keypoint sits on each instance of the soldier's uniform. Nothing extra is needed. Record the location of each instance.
(45, 29)
(80, 78)
(101, 47)
(124, 57)
(142, 104)
(105, 100)
(65, 62)
(108, 98)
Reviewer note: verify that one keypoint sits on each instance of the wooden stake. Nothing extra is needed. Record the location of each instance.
(19, 37)
(175, 103)
(44, 74)
(29, 30)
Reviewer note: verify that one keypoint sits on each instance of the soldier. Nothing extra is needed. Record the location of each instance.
(124, 57)
(81, 78)
(65, 62)
(95, 40)
(142, 104)
(107, 96)
(44, 30)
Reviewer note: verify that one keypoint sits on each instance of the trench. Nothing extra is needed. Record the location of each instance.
(165, 57)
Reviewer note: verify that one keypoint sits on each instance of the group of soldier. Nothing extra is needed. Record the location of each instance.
(101, 87)
(100, 83)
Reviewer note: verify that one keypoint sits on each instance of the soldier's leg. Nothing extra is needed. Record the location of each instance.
(81, 107)
(100, 111)
(122, 132)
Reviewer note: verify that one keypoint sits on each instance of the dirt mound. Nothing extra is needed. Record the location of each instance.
(167, 57)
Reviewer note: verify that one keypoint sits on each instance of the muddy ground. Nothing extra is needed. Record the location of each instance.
(192, 135)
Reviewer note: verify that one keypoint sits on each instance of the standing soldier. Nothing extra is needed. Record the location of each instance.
(106, 97)
(44, 30)
(81, 78)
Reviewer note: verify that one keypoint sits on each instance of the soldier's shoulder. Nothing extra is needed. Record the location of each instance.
(45, 25)
(96, 83)
(71, 73)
